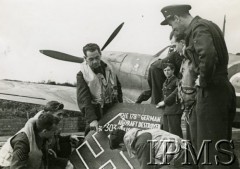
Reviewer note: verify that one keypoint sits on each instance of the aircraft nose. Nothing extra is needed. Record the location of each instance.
(235, 80)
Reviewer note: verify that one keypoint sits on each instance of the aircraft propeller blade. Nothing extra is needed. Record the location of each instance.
(113, 35)
(71, 58)
(161, 51)
(62, 56)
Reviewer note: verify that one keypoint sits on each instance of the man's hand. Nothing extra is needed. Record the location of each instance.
(52, 152)
(197, 82)
(69, 165)
(94, 125)
(74, 140)
(144, 96)
(160, 104)
(184, 50)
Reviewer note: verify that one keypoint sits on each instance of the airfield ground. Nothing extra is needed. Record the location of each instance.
(236, 138)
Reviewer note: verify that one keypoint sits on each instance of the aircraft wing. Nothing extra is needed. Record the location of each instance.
(38, 93)
(29, 92)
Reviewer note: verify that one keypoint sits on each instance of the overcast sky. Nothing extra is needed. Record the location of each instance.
(26, 26)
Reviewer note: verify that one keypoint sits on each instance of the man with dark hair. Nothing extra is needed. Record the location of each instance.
(156, 76)
(137, 143)
(216, 99)
(98, 87)
(25, 149)
(60, 147)
(172, 109)
(91, 47)
(53, 106)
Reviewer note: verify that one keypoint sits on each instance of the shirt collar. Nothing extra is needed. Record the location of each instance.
(39, 140)
(189, 29)
(170, 78)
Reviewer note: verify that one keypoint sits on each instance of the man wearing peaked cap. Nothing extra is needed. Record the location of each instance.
(170, 11)
(206, 46)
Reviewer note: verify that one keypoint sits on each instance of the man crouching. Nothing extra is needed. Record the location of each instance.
(25, 149)
(153, 148)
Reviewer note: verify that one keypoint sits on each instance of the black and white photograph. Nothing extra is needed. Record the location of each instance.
(119, 84)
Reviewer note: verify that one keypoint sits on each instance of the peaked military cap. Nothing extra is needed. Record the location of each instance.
(171, 10)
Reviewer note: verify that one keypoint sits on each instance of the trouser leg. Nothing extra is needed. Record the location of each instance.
(174, 122)
(192, 122)
(156, 79)
(214, 116)
(165, 123)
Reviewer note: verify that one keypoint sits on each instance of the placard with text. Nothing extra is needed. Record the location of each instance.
(95, 153)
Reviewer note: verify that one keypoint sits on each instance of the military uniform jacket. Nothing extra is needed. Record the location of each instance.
(23, 150)
(156, 77)
(170, 96)
(84, 96)
(205, 46)
(137, 145)
(173, 57)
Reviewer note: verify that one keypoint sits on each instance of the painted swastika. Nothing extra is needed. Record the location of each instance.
(94, 153)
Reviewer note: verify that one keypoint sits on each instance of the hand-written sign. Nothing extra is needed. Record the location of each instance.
(126, 116)
(95, 153)
(126, 121)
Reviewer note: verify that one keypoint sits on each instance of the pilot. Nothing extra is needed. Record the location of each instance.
(216, 99)
(60, 147)
(137, 143)
(156, 76)
(26, 148)
(98, 87)
(172, 109)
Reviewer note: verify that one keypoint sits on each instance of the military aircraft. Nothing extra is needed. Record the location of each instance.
(132, 68)
(132, 71)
